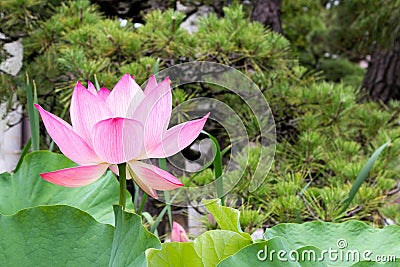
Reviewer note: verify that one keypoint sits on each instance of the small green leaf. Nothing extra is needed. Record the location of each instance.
(131, 240)
(214, 246)
(177, 254)
(206, 250)
(226, 217)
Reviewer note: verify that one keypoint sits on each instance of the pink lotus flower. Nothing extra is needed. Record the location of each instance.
(178, 234)
(124, 125)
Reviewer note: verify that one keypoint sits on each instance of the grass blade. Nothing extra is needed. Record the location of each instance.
(33, 115)
(162, 163)
(161, 215)
(142, 202)
(96, 83)
(136, 197)
(156, 67)
(23, 154)
(363, 175)
(218, 168)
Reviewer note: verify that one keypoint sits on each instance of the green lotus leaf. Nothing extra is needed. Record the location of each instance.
(26, 188)
(275, 252)
(353, 241)
(61, 235)
(206, 250)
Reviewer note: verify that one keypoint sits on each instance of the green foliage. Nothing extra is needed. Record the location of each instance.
(25, 189)
(333, 36)
(342, 70)
(325, 134)
(248, 255)
(304, 22)
(66, 236)
(75, 42)
(161, 35)
(59, 215)
(47, 238)
(361, 26)
(206, 250)
(251, 218)
(227, 218)
(54, 235)
(130, 251)
(15, 13)
(324, 143)
(174, 254)
(354, 233)
(391, 211)
(307, 245)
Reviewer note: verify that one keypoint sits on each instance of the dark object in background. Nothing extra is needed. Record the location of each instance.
(268, 13)
(265, 11)
(382, 79)
(133, 8)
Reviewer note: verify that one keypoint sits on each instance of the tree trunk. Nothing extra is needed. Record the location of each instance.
(268, 13)
(382, 79)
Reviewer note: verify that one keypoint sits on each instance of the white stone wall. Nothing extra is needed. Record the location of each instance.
(10, 137)
(10, 121)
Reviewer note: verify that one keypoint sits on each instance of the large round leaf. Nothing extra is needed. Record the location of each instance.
(26, 189)
(275, 253)
(54, 236)
(131, 240)
(65, 236)
(383, 263)
(355, 240)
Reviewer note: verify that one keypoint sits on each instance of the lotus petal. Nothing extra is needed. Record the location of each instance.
(86, 110)
(178, 138)
(103, 94)
(150, 177)
(114, 169)
(125, 97)
(151, 84)
(69, 142)
(92, 88)
(76, 176)
(154, 112)
(118, 140)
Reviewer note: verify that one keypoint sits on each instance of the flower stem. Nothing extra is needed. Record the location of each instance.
(144, 198)
(122, 184)
(162, 163)
(218, 168)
